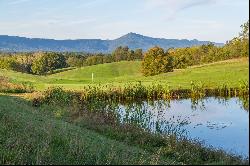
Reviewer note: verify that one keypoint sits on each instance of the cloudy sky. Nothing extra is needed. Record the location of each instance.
(213, 20)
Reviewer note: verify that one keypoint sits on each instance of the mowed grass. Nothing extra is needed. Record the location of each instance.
(103, 72)
(35, 135)
(228, 72)
(30, 135)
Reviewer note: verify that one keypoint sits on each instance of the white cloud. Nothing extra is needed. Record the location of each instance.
(172, 7)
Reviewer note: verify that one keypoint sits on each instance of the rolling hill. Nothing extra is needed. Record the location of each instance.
(132, 40)
(38, 137)
(119, 73)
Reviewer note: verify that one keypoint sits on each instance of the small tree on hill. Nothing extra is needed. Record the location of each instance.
(156, 61)
(47, 62)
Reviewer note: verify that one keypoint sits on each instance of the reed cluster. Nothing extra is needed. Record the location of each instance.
(91, 108)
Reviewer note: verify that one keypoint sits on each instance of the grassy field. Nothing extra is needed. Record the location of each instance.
(59, 134)
(226, 72)
(50, 134)
(31, 135)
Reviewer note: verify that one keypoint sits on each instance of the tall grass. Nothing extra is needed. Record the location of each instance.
(6, 86)
(31, 136)
(138, 91)
(88, 109)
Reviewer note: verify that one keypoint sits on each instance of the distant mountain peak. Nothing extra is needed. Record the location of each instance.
(131, 35)
(132, 40)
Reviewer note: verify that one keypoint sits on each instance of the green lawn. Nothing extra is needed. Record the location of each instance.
(30, 135)
(212, 75)
(37, 135)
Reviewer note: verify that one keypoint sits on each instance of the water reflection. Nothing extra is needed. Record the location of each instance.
(219, 122)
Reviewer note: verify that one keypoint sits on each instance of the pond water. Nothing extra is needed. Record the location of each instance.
(221, 123)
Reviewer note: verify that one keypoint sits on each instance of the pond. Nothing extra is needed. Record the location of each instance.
(220, 123)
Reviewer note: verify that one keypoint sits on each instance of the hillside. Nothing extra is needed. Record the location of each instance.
(33, 136)
(225, 72)
(214, 74)
(103, 72)
(132, 40)
(63, 132)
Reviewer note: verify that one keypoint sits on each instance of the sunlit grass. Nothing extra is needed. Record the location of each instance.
(228, 72)
(30, 135)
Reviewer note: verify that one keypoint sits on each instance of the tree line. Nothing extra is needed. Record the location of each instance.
(154, 61)
(157, 61)
(41, 63)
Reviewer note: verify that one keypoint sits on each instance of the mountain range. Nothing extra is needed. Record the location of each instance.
(132, 40)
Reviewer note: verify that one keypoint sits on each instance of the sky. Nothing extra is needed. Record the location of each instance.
(210, 20)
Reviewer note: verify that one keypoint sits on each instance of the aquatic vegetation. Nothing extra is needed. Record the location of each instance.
(101, 95)
(96, 108)
(138, 91)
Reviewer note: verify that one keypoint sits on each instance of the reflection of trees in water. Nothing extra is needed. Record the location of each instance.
(242, 101)
(174, 125)
(223, 100)
(198, 104)
(151, 116)
(154, 115)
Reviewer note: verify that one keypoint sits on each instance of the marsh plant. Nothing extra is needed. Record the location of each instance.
(156, 91)
(99, 108)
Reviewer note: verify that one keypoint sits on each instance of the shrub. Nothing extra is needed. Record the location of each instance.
(156, 61)
(7, 86)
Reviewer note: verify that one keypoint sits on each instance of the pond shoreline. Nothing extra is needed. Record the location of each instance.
(86, 109)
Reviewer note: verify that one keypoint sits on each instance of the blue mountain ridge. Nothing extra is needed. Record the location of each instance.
(132, 40)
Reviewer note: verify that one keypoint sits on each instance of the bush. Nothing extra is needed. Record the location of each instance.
(6, 86)
(47, 62)
(57, 96)
(156, 61)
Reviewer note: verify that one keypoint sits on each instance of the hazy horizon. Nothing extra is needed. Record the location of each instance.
(98, 38)
(204, 20)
